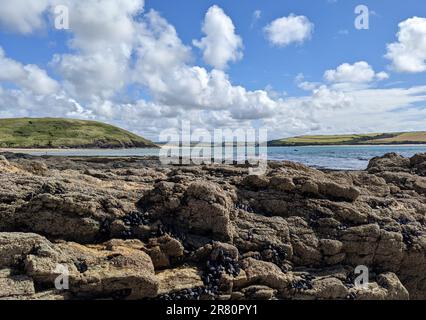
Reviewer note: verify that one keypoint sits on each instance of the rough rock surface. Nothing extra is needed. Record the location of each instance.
(130, 228)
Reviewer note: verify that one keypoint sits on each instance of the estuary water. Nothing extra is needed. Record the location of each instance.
(330, 157)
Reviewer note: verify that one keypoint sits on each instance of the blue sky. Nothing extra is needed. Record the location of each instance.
(266, 65)
(260, 81)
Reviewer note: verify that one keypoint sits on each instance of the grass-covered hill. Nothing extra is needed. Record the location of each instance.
(66, 133)
(353, 139)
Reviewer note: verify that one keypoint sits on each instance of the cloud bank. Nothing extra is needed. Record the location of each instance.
(142, 50)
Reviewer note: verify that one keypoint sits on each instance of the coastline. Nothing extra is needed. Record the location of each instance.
(339, 157)
(23, 150)
(26, 150)
(352, 145)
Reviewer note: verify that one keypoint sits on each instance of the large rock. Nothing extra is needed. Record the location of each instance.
(94, 271)
(6, 167)
(305, 243)
(360, 244)
(418, 164)
(15, 246)
(389, 162)
(15, 285)
(66, 204)
(207, 210)
(256, 182)
(202, 208)
(337, 191)
(324, 289)
(264, 273)
(163, 250)
(173, 280)
(256, 233)
(102, 270)
(386, 287)
(297, 232)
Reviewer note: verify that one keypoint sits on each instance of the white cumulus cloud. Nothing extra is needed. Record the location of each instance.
(22, 16)
(164, 67)
(408, 54)
(29, 77)
(359, 72)
(286, 30)
(221, 44)
(103, 36)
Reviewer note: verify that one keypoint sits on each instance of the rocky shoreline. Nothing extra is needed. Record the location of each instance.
(129, 228)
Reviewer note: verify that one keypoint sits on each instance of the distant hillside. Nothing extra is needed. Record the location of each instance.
(353, 139)
(66, 133)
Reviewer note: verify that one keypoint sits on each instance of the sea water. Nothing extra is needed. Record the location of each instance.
(330, 157)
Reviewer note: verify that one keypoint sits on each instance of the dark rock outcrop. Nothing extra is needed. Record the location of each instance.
(133, 229)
